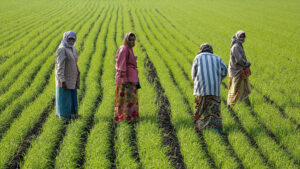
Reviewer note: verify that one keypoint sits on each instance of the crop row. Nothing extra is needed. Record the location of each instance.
(37, 85)
(221, 153)
(15, 84)
(286, 131)
(99, 151)
(60, 127)
(285, 127)
(26, 121)
(53, 132)
(103, 149)
(256, 53)
(32, 50)
(124, 151)
(261, 135)
(11, 19)
(192, 153)
(17, 25)
(17, 33)
(76, 134)
(89, 50)
(30, 37)
(145, 138)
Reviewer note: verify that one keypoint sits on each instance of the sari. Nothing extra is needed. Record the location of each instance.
(66, 103)
(239, 87)
(126, 102)
(208, 113)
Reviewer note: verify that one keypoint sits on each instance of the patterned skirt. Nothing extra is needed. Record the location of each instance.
(208, 113)
(66, 103)
(126, 103)
(239, 89)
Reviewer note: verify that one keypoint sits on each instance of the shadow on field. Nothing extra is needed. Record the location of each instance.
(240, 127)
(164, 112)
(18, 157)
(273, 103)
(280, 109)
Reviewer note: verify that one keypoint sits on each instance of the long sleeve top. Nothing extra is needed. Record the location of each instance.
(238, 60)
(66, 69)
(126, 66)
(208, 71)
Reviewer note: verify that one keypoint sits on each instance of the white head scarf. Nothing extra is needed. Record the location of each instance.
(66, 36)
(237, 38)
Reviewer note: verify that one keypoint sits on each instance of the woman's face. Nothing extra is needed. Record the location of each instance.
(243, 36)
(71, 40)
(131, 41)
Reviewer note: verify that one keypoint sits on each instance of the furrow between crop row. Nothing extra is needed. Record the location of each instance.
(18, 157)
(54, 129)
(189, 39)
(14, 65)
(292, 112)
(184, 130)
(271, 134)
(19, 34)
(164, 119)
(238, 125)
(23, 124)
(180, 82)
(100, 147)
(266, 145)
(143, 147)
(29, 94)
(109, 35)
(16, 23)
(86, 56)
(31, 63)
(31, 33)
(29, 118)
(294, 118)
(17, 86)
(77, 132)
(125, 143)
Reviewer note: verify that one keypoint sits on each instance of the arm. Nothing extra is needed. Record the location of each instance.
(194, 68)
(121, 63)
(223, 69)
(238, 57)
(60, 61)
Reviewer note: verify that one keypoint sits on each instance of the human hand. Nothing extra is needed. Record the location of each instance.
(64, 85)
(248, 64)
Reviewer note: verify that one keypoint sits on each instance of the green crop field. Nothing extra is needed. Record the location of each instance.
(265, 134)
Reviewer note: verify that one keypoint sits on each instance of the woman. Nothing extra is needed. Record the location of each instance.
(208, 71)
(239, 86)
(67, 77)
(127, 81)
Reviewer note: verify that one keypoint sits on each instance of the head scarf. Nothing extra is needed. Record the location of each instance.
(126, 38)
(66, 36)
(205, 47)
(237, 38)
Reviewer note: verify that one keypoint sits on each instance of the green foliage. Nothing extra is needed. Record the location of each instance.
(263, 135)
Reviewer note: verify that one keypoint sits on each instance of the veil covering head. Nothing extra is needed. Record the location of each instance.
(126, 38)
(205, 47)
(66, 36)
(237, 38)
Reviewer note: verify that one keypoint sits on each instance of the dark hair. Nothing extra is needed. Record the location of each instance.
(206, 47)
(131, 34)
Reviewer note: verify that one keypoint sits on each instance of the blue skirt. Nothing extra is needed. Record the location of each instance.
(66, 103)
